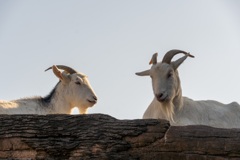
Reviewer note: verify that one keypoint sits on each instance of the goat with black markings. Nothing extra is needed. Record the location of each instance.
(73, 90)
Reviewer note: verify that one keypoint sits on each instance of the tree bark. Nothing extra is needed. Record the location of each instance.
(98, 136)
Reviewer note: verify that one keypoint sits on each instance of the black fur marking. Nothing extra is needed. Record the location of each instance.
(47, 99)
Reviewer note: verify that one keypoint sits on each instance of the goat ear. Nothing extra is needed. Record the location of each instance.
(143, 73)
(61, 75)
(178, 62)
(154, 59)
(57, 72)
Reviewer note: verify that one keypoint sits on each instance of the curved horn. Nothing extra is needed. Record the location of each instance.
(65, 68)
(170, 54)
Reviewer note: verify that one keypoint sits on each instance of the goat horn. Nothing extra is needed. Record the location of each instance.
(65, 68)
(170, 54)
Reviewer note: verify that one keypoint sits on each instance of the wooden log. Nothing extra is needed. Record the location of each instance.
(98, 136)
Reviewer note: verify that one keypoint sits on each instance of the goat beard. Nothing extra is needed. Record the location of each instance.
(168, 109)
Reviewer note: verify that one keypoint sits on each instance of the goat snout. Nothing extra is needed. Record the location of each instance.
(93, 100)
(161, 97)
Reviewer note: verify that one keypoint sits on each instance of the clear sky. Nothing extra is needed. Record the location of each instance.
(110, 40)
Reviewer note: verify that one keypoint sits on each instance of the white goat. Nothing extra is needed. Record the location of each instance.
(169, 104)
(73, 90)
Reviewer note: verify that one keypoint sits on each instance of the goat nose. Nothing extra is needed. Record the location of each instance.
(159, 96)
(95, 98)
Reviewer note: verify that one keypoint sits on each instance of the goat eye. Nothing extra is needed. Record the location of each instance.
(78, 83)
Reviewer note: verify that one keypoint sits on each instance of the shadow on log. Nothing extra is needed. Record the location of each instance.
(98, 136)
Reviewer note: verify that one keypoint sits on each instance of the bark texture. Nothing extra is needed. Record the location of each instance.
(98, 136)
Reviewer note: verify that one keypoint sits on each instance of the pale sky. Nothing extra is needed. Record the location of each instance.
(110, 40)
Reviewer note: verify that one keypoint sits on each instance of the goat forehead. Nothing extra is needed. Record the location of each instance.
(79, 75)
(84, 79)
(161, 68)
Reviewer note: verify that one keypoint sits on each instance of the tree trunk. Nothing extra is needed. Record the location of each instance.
(97, 136)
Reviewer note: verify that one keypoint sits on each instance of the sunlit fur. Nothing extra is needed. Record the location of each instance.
(74, 91)
(182, 110)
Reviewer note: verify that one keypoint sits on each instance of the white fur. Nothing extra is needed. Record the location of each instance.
(65, 96)
(180, 110)
(209, 112)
